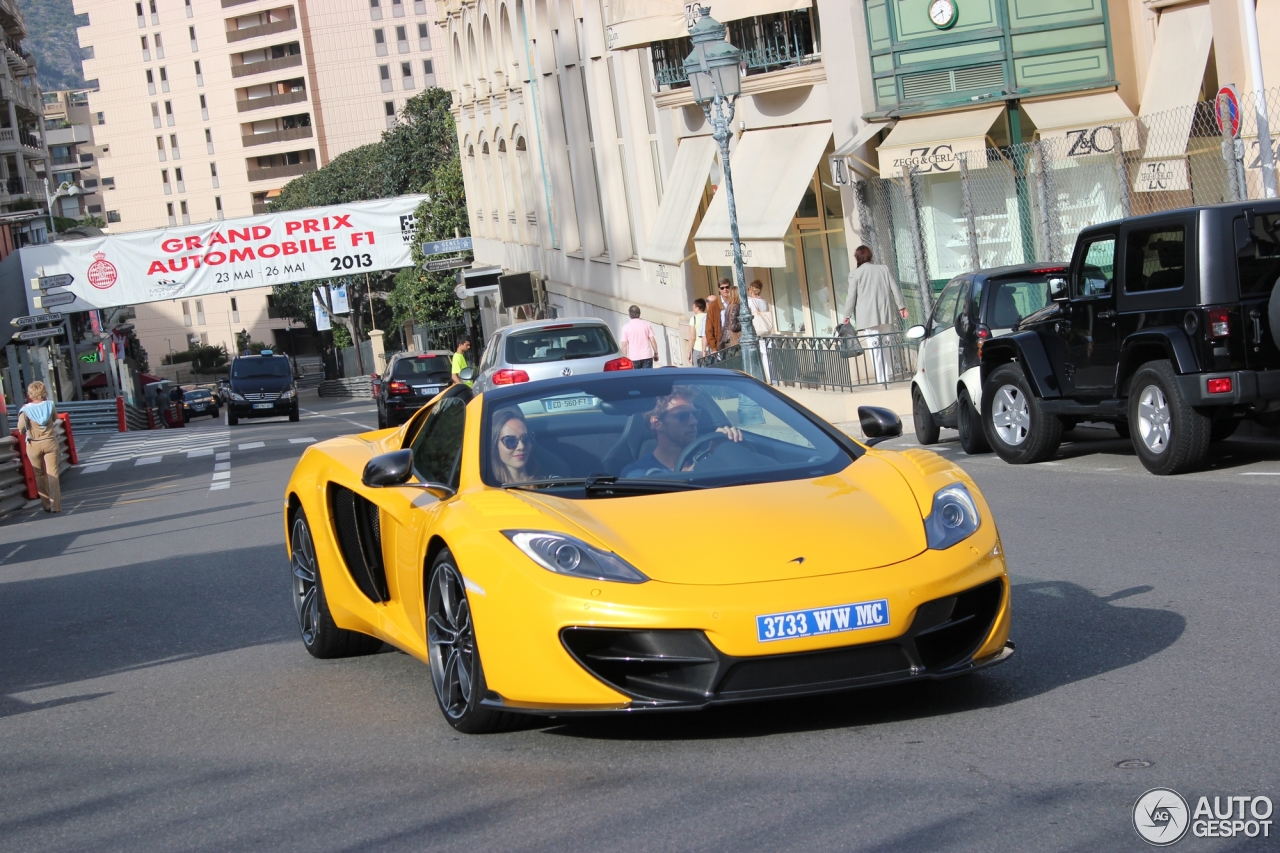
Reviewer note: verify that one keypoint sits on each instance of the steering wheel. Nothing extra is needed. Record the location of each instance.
(699, 449)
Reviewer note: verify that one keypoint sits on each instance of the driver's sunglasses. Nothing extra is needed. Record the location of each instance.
(511, 442)
(685, 416)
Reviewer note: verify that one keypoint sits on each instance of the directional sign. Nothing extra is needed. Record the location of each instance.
(51, 299)
(63, 280)
(449, 264)
(37, 318)
(35, 334)
(445, 247)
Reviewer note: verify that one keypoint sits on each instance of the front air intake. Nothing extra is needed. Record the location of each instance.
(358, 529)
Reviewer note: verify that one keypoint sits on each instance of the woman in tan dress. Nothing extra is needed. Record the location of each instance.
(36, 419)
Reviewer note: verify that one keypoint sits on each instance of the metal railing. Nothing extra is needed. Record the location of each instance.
(768, 43)
(265, 65)
(278, 99)
(90, 417)
(440, 336)
(287, 171)
(13, 482)
(282, 135)
(355, 386)
(828, 363)
(262, 30)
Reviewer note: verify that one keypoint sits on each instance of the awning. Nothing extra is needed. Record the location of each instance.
(771, 170)
(100, 380)
(273, 193)
(634, 23)
(684, 187)
(1174, 77)
(931, 143)
(1085, 124)
(860, 138)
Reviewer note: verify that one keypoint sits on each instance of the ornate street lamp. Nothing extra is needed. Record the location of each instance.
(716, 81)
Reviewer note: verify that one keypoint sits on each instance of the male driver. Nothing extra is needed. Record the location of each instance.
(674, 422)
(460, 362)
(638, 343)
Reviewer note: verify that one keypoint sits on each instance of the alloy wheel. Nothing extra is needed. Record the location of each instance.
(451, 640)
(1011, 415)
(305, 571)
(1154, 419)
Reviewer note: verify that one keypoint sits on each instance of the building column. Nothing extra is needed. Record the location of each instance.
(17, 135)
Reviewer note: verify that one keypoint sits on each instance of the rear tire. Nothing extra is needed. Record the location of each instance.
(1169, 435)
(926, 426)
(972, 438)
(1014, 421)
(382, 420)
(320, 635)
(456, 673)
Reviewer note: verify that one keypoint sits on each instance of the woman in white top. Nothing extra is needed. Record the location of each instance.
(761, 318)
(698, 323)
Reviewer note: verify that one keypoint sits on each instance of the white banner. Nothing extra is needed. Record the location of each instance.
(338, 299)
(232, 254)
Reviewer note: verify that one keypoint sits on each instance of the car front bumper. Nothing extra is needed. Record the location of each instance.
(1247, 386)
(249, 409)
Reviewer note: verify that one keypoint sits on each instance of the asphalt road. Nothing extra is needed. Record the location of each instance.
(153, 694)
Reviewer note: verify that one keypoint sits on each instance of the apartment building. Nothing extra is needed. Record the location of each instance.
(205, 109)
(586, 158)
(23, 151)
(73, 153)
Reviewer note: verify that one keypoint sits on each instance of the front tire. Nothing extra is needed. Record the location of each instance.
(926, 426)
(294, 415)
(1014, 421)
(1169, 435)
(320, 635)
(456, 672)
(232, 420)
(972, 438)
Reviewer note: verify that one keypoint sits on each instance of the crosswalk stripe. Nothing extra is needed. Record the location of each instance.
(170, 442)
(307, 440)
(252, 444)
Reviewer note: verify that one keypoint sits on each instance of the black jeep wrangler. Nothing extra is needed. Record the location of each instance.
(1165, 326)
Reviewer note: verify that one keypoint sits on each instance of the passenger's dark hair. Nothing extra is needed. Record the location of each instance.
(701, 303)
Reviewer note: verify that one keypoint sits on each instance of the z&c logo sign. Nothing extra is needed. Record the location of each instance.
(1097, 140)
(1160, 816)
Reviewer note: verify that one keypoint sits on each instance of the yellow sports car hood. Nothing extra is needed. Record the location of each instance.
(861, 518)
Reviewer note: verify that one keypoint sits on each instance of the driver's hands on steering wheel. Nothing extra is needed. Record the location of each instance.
(732, 433)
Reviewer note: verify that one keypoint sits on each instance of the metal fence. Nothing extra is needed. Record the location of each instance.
(89, 417)
(828, 363)
(1026, 203)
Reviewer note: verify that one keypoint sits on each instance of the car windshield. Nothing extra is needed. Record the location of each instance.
(422, 367)
(197, 395)
(559, 343)
(640, 433)
(1013, 299)
(260, 368)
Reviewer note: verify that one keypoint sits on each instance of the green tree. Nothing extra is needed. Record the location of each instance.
(428, 296)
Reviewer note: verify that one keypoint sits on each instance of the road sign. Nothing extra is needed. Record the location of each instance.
(63, 280)
(445, 247)
(449, 264)
(55, 317)
(51, 299)
(36, 334)
(1226, 109)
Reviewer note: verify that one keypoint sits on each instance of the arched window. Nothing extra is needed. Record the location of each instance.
(528, 195)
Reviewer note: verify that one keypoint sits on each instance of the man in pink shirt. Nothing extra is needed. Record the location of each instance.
(638, 343)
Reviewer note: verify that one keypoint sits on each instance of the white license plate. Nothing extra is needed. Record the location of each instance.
(263, 405)
(431, 390)
(822, 620)
(569, 403)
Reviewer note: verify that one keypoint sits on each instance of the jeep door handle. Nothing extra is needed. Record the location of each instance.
(1106, 315)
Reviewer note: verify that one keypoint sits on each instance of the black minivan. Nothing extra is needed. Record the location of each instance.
(261, 386)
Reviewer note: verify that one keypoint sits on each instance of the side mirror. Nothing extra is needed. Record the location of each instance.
(916, 333)
(878, 424)
(389, 469)
(467, 374)
(1058, 289)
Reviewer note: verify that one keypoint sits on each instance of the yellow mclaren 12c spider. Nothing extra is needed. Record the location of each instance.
(642, 540)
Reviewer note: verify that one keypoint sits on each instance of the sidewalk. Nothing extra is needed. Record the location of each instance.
(841, 407)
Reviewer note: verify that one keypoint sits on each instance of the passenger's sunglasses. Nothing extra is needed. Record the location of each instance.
(726, 287)
(511, 442)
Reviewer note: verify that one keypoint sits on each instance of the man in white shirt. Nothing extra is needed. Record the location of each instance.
(874, 297)
(638, 342)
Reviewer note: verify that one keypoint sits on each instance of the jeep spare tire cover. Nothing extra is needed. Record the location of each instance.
(1274, 315)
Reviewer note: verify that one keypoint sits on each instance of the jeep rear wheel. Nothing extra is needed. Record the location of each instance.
(1014, 420)
(926, 426)
(1169, 435)
(972, 438)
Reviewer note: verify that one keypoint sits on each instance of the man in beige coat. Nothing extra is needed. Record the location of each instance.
(874, 297)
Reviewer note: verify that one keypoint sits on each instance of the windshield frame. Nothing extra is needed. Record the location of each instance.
(252, 361)
(502, 398)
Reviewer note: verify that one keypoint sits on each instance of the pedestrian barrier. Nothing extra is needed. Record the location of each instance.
(355, 386)
(92, 417)
(828, 362)
(309, 380)
(13, 481)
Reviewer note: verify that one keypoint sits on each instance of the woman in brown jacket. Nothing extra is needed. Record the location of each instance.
(36, 419)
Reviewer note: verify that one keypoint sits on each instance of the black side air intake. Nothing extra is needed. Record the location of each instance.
(359, 534)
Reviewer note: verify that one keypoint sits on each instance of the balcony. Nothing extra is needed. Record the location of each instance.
(227, 4)
(267, 29)
(768, 43)
(276, 172)
(266, 65)
(279, 99)
(21, 96)
(11, 139)
(259, 207)
(17, 58)
(283, 135)
(76, 134)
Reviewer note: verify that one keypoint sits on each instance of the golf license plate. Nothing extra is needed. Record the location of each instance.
(567, 403)
(263, 405)
(822, 620)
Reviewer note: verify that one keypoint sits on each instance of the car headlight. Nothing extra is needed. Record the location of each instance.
(289, 394)
(239, 398)
(954, 517)
(567, 555)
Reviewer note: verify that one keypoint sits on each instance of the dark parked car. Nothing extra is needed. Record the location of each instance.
(261, 386)
(410, 381)
(1165, 326)
(199, 402)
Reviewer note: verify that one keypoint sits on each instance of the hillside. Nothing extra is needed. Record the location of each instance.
(51, 36)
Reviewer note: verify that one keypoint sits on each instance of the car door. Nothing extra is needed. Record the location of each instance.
(942, 348)
(1090, 326)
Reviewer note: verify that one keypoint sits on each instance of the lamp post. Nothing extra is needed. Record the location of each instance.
(716, 81)
(66, 189)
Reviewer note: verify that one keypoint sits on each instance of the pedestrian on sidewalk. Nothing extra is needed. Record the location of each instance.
(729, 328)
(874, 297)
(698, 323)
(36, 420)
(638, 342)
(459, 363)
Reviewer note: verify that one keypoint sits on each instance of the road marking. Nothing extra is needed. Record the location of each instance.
(1108, 469)
(1260, 473)
(148, 460)
(222, 466)
(364, 427)
(216, 486)
(348, 413)
(195, 454)
(222, 475)
(307, 440)
(95, 469)
(221, 456)
(6, 557)
(132, 445)
(252, 444)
